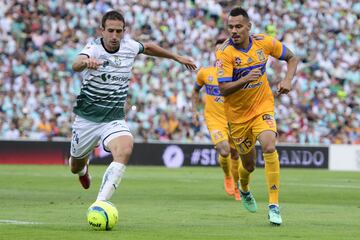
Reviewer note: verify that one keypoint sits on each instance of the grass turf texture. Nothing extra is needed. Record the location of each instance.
(47, 202)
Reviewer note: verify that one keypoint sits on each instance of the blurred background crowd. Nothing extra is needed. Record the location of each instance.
(39, 40)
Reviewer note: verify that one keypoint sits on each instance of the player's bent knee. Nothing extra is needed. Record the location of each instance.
(223, 148)
(122, 151)
(127, 151)
(268, 148)
(268, 140)
(224, 152)
(121, 148)
(122, 154)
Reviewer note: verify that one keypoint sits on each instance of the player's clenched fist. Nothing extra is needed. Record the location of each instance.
(284, 87)
(253, 75)
(91, 63)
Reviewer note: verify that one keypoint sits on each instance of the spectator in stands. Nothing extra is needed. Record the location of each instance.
(44, 127)
(13, 132)
(39, 39)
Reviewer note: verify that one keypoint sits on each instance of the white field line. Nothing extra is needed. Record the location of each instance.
(16, 222)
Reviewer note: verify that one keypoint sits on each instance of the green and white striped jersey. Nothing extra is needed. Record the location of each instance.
(104, 91)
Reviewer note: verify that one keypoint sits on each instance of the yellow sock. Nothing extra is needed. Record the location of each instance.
(244, 177)
(225, 164)
(235, 170)
(272, 172)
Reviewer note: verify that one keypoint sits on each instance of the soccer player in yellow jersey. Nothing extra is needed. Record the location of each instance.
(216, 122)
(249, 102)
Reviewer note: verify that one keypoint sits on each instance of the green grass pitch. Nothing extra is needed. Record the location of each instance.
(47, 202)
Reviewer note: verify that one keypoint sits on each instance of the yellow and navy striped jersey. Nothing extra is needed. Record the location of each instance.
(214, 102)
(233, 63)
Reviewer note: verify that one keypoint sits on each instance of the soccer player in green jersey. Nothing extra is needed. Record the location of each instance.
(105, 65)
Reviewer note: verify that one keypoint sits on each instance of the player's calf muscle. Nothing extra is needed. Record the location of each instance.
(123, 155)
(77, 164)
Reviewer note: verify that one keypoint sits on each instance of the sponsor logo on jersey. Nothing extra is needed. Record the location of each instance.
(219, 99)
(267, 117)
(220, 72)
(106, 63)
(213, 90)
(237, 140)
(269, 120)
(251, 85)
(237, 62)
(105, 77)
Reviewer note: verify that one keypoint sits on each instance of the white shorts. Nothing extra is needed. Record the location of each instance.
(86, 135)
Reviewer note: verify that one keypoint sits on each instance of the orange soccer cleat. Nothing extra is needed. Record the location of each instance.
(237, 194)
(229, 185)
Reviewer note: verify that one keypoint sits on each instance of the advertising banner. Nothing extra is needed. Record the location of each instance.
(178, 155)
(171, 155)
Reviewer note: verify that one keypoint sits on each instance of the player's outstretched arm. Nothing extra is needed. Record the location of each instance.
(292, 61)
(157, 51)
(83, 61)
(195, 99)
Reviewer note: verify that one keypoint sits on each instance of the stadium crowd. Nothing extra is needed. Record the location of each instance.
(39, 40)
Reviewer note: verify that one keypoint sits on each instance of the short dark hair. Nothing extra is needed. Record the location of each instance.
(112, 15)
(237, 11)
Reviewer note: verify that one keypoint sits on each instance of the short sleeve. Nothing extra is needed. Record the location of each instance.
(141, 48)
(276, 48)
(88, 50)
(135, 46)
(199, 79)
(224, 67)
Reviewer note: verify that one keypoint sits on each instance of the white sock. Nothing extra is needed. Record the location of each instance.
(83, 171)
(111, 181)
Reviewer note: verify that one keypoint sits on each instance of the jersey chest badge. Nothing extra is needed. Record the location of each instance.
(260, 55)
(237, 62)
(117, 60)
